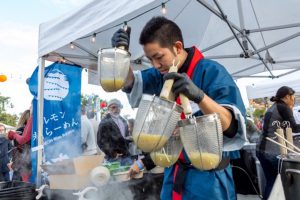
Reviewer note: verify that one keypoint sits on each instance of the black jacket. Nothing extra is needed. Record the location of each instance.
(279, 111)
(5, 146)
(21, 155)
(110, 139)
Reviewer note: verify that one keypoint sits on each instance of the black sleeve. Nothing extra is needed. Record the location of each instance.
(103, 140)
(147, 161)
(287, 115)
(233, 127)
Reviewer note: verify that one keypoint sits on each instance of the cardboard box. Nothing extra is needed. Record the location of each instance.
(72, 174)
(68, 182)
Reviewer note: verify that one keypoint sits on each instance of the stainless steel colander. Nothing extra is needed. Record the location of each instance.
(168, 154)
(113, 67)
(202, 139)
(156, 120)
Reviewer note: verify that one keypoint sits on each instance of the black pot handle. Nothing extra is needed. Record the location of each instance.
(289, 175)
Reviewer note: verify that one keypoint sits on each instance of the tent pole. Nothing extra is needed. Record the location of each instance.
(274, 28)
(287, 73)
(214, 11)
(276, 43)
(237, 77)
(243, 70)
(241, 16)
(242, 25)
(74, 56)
(40, 117)
(287, 61)
(224, 17)
(259, 56)
(231, 25)
(85, 49)
(218, 44)
(224, 56)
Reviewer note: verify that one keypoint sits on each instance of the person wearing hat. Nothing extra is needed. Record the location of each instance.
(112, 131)
(267, 152)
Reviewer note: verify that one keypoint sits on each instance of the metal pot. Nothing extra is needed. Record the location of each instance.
(290, 175)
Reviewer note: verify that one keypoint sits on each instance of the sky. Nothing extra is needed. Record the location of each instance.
(19, 22)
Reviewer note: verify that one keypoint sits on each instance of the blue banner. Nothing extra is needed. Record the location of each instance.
(61, 129)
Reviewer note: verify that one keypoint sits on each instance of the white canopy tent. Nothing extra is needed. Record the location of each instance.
(247, 37)
(267, 31)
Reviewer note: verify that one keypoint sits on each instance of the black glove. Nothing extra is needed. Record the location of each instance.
(121, 38)
(184, 85)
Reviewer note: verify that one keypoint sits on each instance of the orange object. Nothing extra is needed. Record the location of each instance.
(3, 78)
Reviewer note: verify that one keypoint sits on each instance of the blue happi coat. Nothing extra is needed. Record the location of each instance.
(217, 83)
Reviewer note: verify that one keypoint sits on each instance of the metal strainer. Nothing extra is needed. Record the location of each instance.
(156, 120)
(168, 154)
(113, 67)
(202, 139)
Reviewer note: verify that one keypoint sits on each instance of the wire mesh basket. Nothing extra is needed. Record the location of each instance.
(156, 120)
(113, 67)
(168, 154)
(202, 139)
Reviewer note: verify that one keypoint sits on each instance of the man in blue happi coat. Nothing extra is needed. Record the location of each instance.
(210, 89)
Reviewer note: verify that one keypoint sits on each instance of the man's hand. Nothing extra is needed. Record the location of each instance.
(184, 85)
(121, 38)
(135, 168)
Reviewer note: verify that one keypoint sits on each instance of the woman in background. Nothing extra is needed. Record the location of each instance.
(267, 152)
(21, 158)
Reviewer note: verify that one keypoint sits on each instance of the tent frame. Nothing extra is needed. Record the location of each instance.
(243, 33)
(40, 110)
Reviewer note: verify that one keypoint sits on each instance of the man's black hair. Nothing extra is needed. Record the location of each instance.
(161, 30)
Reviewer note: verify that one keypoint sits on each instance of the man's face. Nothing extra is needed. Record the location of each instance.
(160, 57)
(2, 129)
(114, 109)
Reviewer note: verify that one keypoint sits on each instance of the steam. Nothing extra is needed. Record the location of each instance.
(118, 191)
(62, 148)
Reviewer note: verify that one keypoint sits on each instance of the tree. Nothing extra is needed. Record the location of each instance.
(94, 103)
(4, 101)
(6, 118)
(259, 112)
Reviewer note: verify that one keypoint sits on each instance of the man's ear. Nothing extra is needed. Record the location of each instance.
(178, 47)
